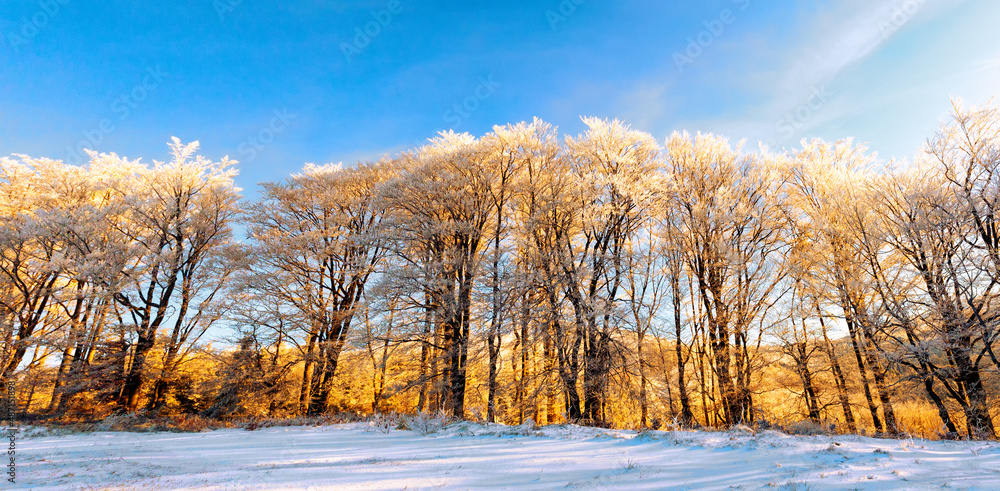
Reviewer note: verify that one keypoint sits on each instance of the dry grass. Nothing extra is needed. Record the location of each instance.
(183, 423)
(919, 420)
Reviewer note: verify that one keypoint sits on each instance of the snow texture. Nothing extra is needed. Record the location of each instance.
(472, 455)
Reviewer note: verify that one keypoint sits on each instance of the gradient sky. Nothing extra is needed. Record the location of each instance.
(125, 76)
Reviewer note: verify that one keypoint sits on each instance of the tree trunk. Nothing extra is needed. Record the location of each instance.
(687, 416)
(305, 388)
(856, 340)
(425, 354)
(977, 414)
(643, 408)
(880, 384)
(132, 386)
(802, 366)
(838, 374)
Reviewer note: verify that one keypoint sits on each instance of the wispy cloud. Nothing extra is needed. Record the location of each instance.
(644, 105)
(800, 88)
(835, 40)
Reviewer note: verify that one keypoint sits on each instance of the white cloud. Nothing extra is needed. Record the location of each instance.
(822, 59)
(644, 105)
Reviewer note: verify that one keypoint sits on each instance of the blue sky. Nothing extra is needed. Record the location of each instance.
(276, 85)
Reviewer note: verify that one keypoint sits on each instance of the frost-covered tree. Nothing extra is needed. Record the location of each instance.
(611, 163)
(732, 225)
(441, 208)
(179, 217)
(32, 259)
(317, 241)
(827, 192)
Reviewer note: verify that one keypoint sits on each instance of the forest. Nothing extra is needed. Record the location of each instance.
(604, 279)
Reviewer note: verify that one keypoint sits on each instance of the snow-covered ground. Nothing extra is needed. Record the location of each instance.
(469, 455)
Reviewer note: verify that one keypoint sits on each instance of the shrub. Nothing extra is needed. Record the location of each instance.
(425, 423)
(808, 427)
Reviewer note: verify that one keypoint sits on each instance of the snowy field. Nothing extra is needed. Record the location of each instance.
(469, 455)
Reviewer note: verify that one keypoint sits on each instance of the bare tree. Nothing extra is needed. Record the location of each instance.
(440, 210)
(827, 187)
(181, 211)
(611, 163)
(317, 241)
(732, 227)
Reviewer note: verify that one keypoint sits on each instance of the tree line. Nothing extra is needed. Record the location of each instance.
(601, 279)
